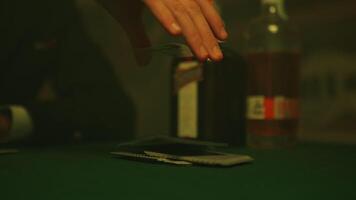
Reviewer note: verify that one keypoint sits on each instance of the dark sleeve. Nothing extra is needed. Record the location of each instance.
(89, 99)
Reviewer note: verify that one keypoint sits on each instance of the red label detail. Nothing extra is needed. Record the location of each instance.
(269, 108)
(272, 108)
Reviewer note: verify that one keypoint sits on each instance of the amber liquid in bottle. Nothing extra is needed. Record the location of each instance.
(273, 54)
(272, 99)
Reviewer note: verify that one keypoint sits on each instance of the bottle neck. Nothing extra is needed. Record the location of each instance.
(274, 8)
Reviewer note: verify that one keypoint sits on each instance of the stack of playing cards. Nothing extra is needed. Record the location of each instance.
(178, 152)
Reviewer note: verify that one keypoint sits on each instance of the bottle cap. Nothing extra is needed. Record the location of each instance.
(280, 6)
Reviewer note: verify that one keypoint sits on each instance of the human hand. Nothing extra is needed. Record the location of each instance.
(197, 20)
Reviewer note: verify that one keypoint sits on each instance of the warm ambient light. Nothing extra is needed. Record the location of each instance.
(273, 28)
(272, 9)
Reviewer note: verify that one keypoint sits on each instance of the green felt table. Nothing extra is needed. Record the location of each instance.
(87, 171)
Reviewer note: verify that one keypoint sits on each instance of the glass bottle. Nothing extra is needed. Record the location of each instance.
(273, 55)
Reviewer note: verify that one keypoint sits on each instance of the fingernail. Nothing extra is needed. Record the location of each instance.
(176, 28)
(223, 34)
(217, 53)
(204, 52)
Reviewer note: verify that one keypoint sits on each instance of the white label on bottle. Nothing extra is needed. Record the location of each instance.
(188, 100)
(188, 111)
(187, 72)
(279, 107)
(272, 108)
(255, 107)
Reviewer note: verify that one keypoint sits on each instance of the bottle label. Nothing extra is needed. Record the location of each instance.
(272, 108)
(186, 80)
(186, 73)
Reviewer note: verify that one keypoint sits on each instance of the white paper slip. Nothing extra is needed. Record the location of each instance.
(216, 158)
(153, 158)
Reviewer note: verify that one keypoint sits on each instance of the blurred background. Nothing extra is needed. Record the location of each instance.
(328, 70)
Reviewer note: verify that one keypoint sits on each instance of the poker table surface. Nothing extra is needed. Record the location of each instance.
(88, 171)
